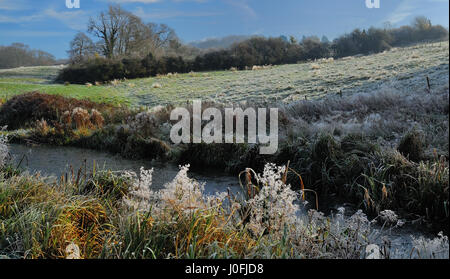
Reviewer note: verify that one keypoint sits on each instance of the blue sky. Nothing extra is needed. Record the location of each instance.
(49, 25)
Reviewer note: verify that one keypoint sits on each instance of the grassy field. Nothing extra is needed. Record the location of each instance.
(404, 68)
(27, 79)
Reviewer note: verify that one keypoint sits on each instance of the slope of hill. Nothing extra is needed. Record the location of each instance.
(404, 68)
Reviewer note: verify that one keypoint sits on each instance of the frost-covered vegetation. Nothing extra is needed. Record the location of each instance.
(272, 220)
(3, 151)
(382, 150)
(117, 215)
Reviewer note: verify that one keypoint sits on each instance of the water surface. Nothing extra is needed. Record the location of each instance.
(56, 161)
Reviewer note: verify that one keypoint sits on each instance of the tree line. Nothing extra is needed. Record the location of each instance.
(121, 34)
(129, 48)
(18, 55)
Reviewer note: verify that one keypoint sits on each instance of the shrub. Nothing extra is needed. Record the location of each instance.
(81, 118)
(103, 70)
(25, 109)
(66, 119)
(412, 145)
(204, 155)
(274, 207)
(97, 119)
(139, 147)
(42, 128)
(325, 149)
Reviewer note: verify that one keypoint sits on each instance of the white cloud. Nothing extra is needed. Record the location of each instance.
(408, 8)
(19, 19)
(403, 11)
(25, 33)
(243, 6)
(74, 19)
(9, 5)
(155, 14)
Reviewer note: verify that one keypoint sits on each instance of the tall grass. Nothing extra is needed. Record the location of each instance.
(118, 215)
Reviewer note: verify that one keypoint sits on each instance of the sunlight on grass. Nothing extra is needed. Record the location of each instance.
(405, 67)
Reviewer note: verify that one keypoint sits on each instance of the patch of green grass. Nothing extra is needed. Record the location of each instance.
(100, 94)
(23, 80)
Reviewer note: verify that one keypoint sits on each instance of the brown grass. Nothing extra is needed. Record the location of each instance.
(84, 222)
(27, 108)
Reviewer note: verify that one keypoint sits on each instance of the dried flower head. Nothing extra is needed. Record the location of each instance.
(389, 216)
(81, 117)
(97, 119)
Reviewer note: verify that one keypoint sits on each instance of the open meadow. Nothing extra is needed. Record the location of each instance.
(400, 68)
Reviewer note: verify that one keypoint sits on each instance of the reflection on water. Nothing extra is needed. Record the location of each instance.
(56, 161)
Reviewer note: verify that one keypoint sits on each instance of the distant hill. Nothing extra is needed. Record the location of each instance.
(224, 42)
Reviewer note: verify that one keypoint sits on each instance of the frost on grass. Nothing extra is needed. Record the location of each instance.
(186, 194)
(431, 249)
(183, 194)
(139, 197)
(385, 115)
(3, 150)
(274, 216)
(288, 83)
(274, 206)
(144, 122)
(389, 216)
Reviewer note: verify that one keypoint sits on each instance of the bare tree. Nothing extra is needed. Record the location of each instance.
(422, 23)
(154, 38)
(123, 34)
(161, 34)
(19, 54)
(387, 25)
(81, 47)
(130, 35)
(107, 27)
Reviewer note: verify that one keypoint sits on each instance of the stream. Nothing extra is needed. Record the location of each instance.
(56, 161)
(53, 162)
